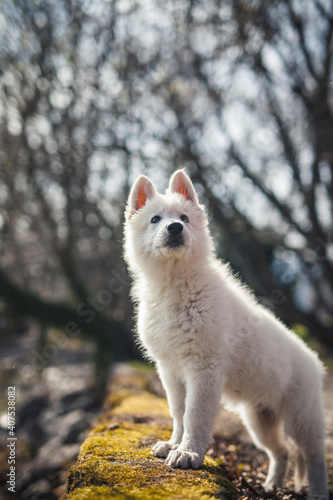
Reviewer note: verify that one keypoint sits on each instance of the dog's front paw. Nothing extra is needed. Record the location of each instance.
(184, 459)
(162, 448)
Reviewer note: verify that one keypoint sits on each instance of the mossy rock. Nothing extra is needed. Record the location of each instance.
(115, 460)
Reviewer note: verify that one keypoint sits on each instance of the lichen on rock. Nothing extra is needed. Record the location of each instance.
(115, 460)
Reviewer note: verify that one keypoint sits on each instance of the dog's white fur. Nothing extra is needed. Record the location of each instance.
(210, 338)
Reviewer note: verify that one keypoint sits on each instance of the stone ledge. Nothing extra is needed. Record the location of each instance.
(115, 459)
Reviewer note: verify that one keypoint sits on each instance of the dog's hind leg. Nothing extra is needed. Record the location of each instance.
(317, 472)
(300, 470)
(314, 454)
(307, 428)
(267, 433)
(317, 478)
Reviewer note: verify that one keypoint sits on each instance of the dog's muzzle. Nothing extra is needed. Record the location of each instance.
(175, 237)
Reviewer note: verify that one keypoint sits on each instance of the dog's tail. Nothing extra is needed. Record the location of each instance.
(300, 470)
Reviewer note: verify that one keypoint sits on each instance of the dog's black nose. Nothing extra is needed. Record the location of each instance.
(175, 228)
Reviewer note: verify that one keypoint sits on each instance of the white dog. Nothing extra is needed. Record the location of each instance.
(211, 339)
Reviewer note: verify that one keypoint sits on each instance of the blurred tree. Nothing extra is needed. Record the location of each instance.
(60, 223)
(94, 93)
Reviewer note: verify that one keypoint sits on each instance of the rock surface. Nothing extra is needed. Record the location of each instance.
(53, 431)
(54, 408)
(115, 460)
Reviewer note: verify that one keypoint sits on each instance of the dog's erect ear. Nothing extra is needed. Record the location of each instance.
(181, 183)
(142, 190)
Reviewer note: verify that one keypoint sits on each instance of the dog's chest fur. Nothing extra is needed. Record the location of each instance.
(177, 320)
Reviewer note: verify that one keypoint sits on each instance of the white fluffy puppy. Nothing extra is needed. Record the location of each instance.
(211, 339)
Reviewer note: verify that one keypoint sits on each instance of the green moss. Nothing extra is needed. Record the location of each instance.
(115, 460)
(124, 439)
(151, 493)
(150, 479)
(144, 403)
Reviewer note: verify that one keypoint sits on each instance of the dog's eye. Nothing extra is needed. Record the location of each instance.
(155, 219)
(184, 218)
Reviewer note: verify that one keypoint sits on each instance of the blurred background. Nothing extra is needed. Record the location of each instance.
(94, 93)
